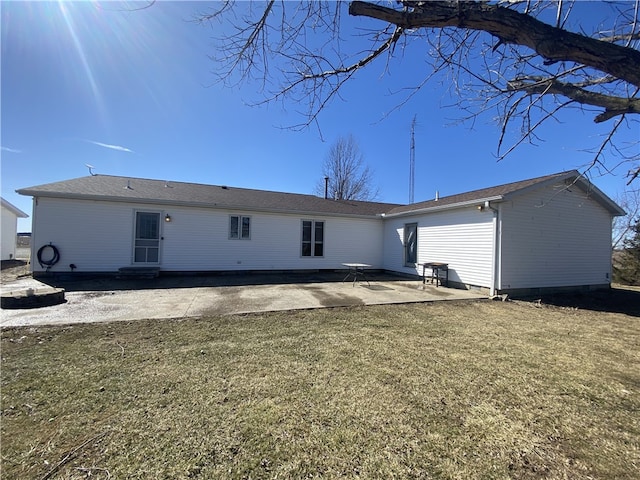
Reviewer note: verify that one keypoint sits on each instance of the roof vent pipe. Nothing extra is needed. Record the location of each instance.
(437, 195)
(326, 187)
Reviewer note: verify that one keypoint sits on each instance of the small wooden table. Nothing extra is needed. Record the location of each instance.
(356, 270)
(436, 268)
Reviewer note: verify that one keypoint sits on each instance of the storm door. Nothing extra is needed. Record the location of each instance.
(147, 238)
(410, 244)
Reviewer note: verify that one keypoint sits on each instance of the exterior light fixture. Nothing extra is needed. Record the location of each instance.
(167, 218)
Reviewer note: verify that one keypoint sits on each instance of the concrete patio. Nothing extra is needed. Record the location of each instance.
(108, 299)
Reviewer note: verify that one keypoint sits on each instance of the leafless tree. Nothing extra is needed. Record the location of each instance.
(629, 200)
(520, 61)
(348, 176)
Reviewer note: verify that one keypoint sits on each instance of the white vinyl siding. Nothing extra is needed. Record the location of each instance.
(463, 238)
(9, 233)
(554, 237)
(95, 236)
(98, 237)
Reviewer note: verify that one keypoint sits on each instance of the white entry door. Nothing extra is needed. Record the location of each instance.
(146, 247)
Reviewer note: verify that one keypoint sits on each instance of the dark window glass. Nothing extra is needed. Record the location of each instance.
(312, 238)
(233, 227)
(239, 227)
(245, 227)
(410, 244)
(306, 238)
(147, 225)
(318, 246)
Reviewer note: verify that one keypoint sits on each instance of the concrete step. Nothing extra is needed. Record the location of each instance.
(138, 272)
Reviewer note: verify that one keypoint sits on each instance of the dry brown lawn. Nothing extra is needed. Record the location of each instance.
(431, 391)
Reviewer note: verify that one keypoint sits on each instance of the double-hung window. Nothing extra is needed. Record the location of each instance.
(312, 238)
(239, 227)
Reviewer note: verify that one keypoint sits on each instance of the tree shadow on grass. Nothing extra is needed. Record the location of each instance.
(618, 299)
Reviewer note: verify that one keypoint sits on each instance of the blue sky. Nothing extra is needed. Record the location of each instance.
(132, 93)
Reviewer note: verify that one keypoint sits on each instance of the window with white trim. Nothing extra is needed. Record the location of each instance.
(312, 238)
(239, 227)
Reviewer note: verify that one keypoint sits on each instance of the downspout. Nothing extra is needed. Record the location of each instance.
(495, 250)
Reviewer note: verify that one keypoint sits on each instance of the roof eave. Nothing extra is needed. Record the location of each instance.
(177, 203)
(575, 178)
(601, 197)
(15, 210)
(450, 206)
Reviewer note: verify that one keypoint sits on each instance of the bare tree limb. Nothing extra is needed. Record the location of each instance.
(613, 105)
(532, 73)
(509, 26)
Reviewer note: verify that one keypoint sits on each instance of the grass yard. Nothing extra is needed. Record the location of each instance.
(430, 391)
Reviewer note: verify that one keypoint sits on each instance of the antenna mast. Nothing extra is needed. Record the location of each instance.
(412, 161)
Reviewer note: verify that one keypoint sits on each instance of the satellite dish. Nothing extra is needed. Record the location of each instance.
(90, 167)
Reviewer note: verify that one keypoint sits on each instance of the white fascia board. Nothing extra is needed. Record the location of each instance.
(450, 206)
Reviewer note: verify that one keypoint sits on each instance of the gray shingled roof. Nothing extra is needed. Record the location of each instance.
(125, 189)
(503, 192)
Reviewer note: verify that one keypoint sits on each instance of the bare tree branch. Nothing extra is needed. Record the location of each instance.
(613, 105)
(499, 58)
(509, 26)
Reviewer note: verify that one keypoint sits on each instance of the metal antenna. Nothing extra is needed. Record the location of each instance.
(90, 167)
(412, 161)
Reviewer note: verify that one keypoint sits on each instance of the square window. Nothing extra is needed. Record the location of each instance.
(239, 227)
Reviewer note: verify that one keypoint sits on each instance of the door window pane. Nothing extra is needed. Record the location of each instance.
(140, 255)
(153, 255)
(147, 225)
(410, 244)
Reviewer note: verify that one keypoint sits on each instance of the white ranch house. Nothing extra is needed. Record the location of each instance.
(544, 233)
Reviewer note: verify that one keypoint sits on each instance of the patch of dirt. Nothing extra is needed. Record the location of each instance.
(14, 269)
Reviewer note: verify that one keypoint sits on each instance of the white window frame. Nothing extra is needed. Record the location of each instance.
(313, 241)
(240, 232)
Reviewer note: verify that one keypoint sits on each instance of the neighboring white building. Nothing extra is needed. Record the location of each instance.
(9, 235)
(548, 232)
